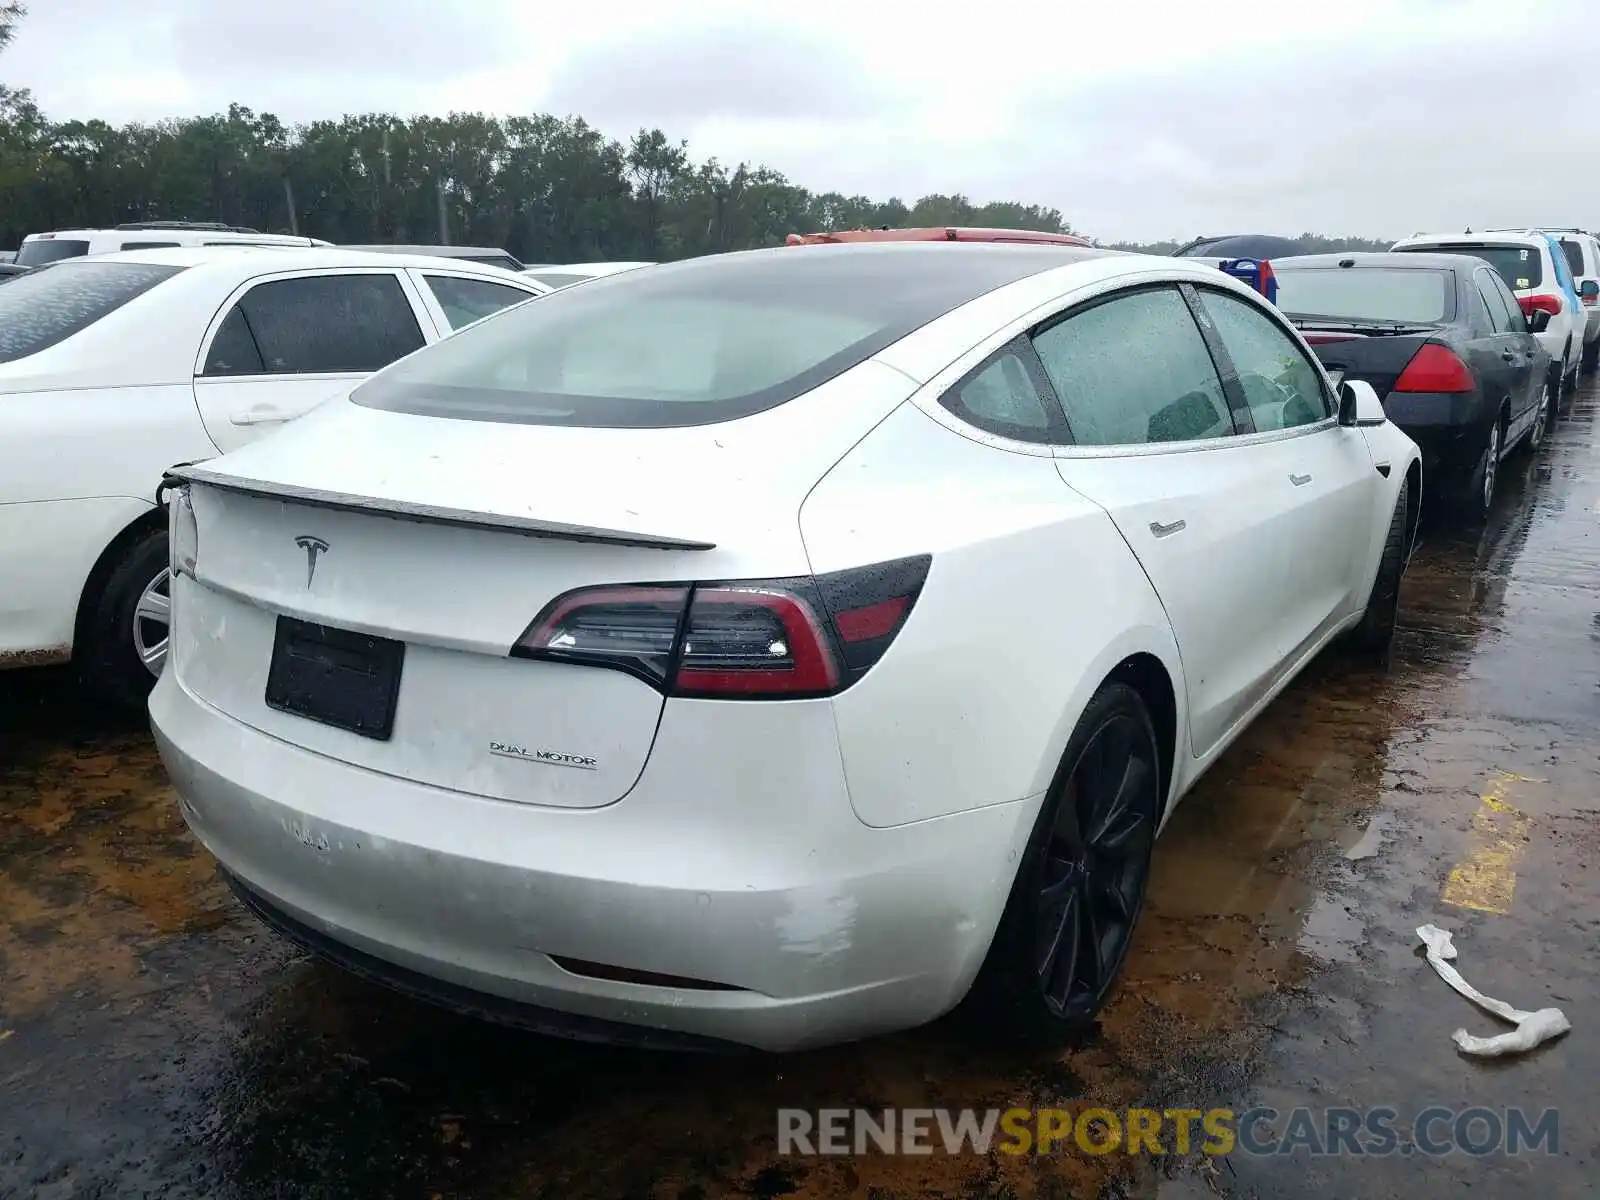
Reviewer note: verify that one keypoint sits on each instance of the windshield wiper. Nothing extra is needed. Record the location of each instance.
(1300, 321)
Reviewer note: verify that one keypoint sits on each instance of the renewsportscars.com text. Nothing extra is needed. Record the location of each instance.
(1434, 1131)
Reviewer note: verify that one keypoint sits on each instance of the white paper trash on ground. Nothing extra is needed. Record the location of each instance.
(1532, 1028)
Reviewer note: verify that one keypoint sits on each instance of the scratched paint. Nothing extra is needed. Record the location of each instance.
(1486, 879)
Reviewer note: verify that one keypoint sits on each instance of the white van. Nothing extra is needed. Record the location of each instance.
(40, 248)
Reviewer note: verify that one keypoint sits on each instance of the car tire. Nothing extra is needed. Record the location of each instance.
(1477, 498)
(1375, 634)
(123, 629)
(1078, 892)
(1590, 358)
(1543, 417)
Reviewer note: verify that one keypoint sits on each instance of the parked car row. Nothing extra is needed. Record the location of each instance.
(772, 648)
(1470, 339)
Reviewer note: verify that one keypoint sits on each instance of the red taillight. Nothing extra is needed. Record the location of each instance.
(754, 641)
(1542, 303)
(761, 639)
(1435, 368)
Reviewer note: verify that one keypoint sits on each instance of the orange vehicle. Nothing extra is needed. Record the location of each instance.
(941, 233)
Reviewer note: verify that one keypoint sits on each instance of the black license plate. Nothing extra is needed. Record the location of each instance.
(348, 680)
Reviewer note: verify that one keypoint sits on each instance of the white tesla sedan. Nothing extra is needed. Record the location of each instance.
(771, 648)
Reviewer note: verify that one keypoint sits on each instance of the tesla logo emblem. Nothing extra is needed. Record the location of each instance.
(313, 546)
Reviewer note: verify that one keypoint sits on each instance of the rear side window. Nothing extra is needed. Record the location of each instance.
(149, 246)
(42, 308)
(1006, 397)
(1368, 294)
(1573, 249)
(36, 254)
(1135, 370)
(328, 324)
(467, 300)
(234, 350)
(1519, 266)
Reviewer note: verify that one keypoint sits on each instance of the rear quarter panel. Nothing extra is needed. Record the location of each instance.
(1032, 599)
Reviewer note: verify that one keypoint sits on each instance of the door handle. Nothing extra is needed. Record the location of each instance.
(259, 416)
(1160, 530)
(1299, 480)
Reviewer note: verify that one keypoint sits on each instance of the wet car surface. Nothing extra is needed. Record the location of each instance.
(155, 1040)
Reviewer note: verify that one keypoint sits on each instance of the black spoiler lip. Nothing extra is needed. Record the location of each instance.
(428, 514)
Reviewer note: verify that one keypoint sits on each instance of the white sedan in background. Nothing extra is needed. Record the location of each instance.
(117, 366)
(773, 648)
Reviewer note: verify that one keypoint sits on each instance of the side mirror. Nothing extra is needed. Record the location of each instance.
(1538, 321)
(1589, 292)
(1359, 404)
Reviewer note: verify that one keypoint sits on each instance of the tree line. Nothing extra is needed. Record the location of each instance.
(546, 188)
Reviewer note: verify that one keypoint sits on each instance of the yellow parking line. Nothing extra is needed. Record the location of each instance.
(1486, 879)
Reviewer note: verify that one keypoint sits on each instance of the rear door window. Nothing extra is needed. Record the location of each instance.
(467, 300)
(1135, 370)
(1284, 390)
(149, 246)
(1495, 301)
(42, 308)
(1519, 322)
(36, 254)
(329, 324)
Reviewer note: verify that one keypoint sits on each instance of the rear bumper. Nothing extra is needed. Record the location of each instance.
(1449, 430)
(760, 881)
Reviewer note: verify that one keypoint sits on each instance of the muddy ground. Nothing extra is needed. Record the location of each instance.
(155, 1041)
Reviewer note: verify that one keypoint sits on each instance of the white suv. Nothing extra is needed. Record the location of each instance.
(1583, 257)
(40, 248)
(1526, 261)
(114, 368)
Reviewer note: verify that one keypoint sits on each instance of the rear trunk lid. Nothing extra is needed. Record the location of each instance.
(1376, 356)
(448, 537)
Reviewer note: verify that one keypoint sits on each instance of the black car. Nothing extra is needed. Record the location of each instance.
(1441, 338)
(1239, 245)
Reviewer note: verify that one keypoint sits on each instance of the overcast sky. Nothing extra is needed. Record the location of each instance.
(1138, 119)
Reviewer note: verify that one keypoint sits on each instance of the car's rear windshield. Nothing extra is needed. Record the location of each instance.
(1367, 294)
(699, 341)
(557, 280)
(504, 261)
(49, 250)
(42, 308)
(1519, 266)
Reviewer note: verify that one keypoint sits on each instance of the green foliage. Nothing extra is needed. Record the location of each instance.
(11, 11)
(549, 189)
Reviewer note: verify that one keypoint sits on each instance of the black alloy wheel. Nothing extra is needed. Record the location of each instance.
(1081, 886)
